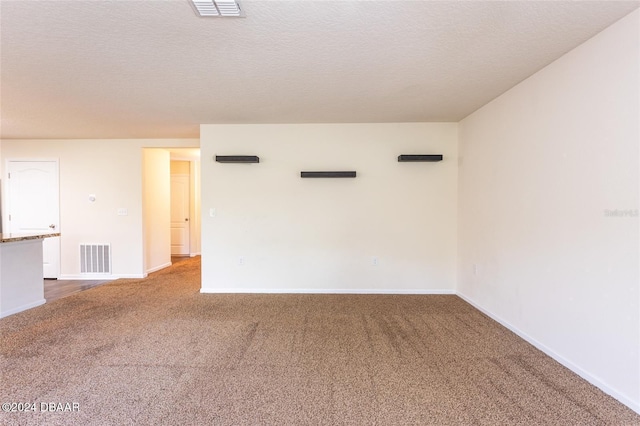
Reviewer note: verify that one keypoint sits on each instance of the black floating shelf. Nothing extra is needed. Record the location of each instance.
(237, 159)
(327, 174)
(415, 158)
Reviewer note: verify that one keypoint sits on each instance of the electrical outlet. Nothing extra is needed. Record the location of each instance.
(374, 261)
(241, 260)
(212, 212)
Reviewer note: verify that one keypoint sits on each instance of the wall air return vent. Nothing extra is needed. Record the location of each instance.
(95, 258)
(417, 158)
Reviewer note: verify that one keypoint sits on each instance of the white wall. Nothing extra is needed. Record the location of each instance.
(540, 167)
(156, 208)
(110, 169)
(320, 235)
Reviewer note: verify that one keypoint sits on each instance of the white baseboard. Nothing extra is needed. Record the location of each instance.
(634, 405)
(194, 254)
(99, 276)
(323, 291)
(157, 268)
(22, 308)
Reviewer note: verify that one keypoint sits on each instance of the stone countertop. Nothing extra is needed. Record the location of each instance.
(11, 238)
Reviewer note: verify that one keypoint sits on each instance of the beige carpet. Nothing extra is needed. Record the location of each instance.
(156, 352)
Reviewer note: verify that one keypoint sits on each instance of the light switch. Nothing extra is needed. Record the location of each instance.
(212, 212)
(123, 212)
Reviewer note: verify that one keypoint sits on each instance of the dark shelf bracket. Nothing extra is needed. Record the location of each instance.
(237, 159)
(350, 174)
(423, 157)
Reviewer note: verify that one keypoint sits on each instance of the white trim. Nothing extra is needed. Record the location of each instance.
(22, 308)
(195, 254)
(262, 290)
(634, 405)
(157, 268)
(99, 276)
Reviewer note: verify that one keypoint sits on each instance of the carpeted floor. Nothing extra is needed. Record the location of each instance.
(156, 352)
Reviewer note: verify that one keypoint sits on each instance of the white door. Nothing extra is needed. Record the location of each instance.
(180, 215)
(33, 206)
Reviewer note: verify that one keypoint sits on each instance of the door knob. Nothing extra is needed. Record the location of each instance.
(52, 226)
(186, 220)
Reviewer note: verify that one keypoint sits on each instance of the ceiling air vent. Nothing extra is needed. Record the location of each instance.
(217, 8)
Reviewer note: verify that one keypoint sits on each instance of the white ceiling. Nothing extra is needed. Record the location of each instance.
(153, 69)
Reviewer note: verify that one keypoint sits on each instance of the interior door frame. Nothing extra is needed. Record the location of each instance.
(6, 205)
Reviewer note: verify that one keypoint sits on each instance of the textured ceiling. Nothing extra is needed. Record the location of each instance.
(153, 69)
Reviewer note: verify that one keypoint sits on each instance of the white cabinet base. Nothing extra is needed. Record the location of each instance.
(21, 278)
